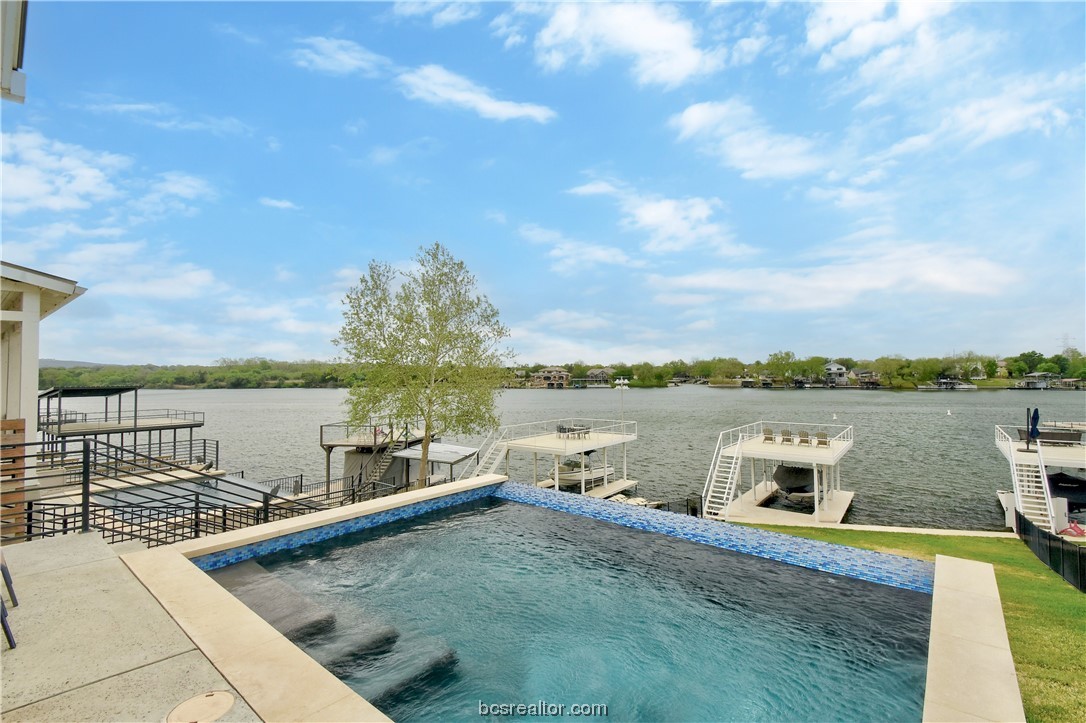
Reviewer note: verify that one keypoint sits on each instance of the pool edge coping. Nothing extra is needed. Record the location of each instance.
(971, 673)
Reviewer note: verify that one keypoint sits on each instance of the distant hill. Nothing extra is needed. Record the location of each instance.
(64, 364)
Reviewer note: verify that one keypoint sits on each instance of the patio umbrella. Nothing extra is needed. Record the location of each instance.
(1034, 433)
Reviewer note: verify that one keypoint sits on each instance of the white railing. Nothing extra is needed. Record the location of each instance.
(1005, 443)
(727, 438)
(1044, 488)
(835, 433)
(514, 432)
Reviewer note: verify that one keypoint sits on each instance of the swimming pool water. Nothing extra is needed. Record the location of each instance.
(498, 602)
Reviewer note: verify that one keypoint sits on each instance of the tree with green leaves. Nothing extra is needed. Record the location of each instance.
(430, 347)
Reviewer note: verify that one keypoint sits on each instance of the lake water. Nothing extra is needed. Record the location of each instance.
(912, 464)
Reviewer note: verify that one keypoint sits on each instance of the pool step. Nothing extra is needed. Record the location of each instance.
(374, 659)
(405, 676)
(342, 651)
(284, 608)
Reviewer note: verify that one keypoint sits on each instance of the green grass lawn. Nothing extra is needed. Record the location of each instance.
(1046, 617)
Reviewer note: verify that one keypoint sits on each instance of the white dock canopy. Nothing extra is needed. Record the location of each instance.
(438, 453)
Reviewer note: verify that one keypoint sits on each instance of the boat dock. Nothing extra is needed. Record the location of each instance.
(555, 439)
(748, 458)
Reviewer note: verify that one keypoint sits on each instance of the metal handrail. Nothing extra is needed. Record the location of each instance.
(128, 478)
(54, 419)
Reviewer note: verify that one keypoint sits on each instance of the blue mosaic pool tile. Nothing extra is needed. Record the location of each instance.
(893, 570)
(877, 567)
(290, 541)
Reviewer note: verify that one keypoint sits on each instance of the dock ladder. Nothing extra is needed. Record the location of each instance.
(1031, 488)
(723, 479)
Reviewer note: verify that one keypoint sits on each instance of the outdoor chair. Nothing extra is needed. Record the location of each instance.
(7, 581)
(767, 436)
(804, 438)
(4, 623)
(786, 436)
(821, 440)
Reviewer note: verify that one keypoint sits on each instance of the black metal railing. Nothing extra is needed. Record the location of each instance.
(689, 506)
(1066, 559)
(127, 495)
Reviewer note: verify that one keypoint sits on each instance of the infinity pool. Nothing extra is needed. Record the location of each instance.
(498, 602)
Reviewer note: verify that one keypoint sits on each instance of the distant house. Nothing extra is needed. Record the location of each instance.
(550, 378)
(835, 374)
(600, 375)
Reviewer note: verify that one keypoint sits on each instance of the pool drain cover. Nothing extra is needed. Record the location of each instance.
(203, 708)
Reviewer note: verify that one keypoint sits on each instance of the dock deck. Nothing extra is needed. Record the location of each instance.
(553, 443)
(745, 508)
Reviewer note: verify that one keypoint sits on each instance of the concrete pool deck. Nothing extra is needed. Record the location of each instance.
(197, 623)
(93, 644)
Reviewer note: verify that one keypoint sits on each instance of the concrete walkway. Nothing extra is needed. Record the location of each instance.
(119, 658)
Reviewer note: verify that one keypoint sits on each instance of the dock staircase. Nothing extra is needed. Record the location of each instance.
(488, 463)
(377, 471)
(723, 480)
(1031, 488)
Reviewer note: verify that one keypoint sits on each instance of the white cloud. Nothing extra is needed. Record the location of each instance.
(509, 29)
(569, 256)
(228, 29)
(438, 86)
(166, 117)
(441, 13)
(746, 50)
(385, 155)
(684, 299)
(895, 269)
(44, 174)
(279, 203)
(171, 193)
(732, 132)
(134, 269)
(1025, 104)
(848, 198)
(855, 30)
(833, 20)
(566, 320)
(672, 224)
(354, 127)
(338, 57)
(662, 44)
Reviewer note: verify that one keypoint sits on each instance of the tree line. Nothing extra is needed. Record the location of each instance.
(260, 373)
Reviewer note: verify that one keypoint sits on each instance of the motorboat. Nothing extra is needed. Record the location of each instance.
(794, 480)
(570, 471)
(944, 384)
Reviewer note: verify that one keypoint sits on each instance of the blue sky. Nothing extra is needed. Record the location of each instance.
(635, 182)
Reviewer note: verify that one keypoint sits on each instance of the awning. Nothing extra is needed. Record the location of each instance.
(55, 392)
(439, 453)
